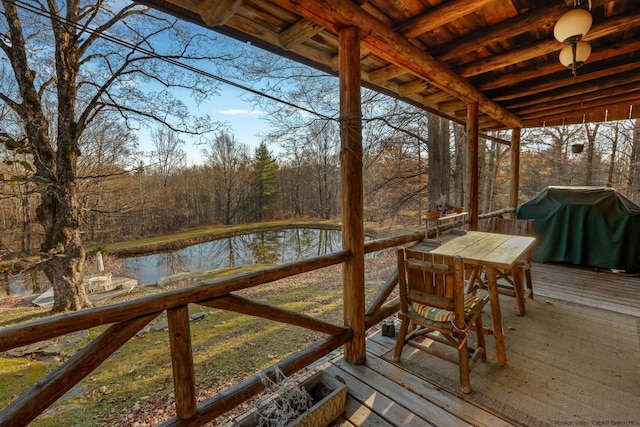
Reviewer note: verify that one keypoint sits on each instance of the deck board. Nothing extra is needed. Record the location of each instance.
(383, 394)
(589, 287)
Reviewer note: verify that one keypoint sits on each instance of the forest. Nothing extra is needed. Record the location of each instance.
(237, 185)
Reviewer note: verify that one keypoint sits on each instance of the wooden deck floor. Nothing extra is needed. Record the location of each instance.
(382, 394)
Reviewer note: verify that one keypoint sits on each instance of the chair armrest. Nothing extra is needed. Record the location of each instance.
(431, 300)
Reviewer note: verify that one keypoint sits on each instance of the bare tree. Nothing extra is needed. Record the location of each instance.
(229, 162)
(68, 68)
(168, 154)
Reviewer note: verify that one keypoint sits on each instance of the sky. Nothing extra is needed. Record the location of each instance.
(246, 122)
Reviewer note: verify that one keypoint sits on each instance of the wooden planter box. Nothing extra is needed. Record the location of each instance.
(321, 413)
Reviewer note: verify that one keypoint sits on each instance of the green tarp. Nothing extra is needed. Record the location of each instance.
(590, 226)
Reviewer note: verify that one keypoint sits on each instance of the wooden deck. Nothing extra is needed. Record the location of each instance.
(383, 394)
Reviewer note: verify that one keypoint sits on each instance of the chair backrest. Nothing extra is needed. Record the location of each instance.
(520, 227)
(433, 279)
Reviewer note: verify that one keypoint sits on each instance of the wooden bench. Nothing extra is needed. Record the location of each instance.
(455, 221)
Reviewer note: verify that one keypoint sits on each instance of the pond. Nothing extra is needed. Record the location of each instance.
(268, 247)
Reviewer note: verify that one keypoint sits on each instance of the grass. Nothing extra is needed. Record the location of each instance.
(135, 385)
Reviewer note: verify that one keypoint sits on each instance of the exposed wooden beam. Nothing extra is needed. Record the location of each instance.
(439, 15)
(218, 12)
(413, 87)
(569, 80)
(585, 92)
(584, 107)
(386, 73)
(438, 98)
(298, 33)
(611, 112)
(498, 62)
(392, 47)
(535, 19)
(495, 62)
(519, 77)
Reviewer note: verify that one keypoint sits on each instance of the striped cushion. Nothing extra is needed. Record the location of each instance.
(472, 305)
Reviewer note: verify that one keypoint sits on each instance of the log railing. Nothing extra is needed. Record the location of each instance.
(127, 318)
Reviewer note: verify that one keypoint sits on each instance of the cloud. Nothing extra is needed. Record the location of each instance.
(240, 112)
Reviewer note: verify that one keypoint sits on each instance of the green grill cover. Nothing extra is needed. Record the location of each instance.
(585, 225)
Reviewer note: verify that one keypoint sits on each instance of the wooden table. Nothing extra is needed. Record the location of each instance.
(491, 251)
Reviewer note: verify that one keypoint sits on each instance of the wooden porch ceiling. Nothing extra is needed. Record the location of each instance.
(443, 54)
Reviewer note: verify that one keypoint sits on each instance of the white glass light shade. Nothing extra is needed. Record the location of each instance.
(573, 24)
(583, 50)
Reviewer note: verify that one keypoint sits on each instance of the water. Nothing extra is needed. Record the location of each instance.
(269, 247)
(32, 282)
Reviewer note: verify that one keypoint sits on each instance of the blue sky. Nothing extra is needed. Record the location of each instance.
(245, 121)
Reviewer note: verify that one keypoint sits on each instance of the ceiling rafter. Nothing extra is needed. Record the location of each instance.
(298, 33)
(439, 15)
(392, 47)
(218, 12)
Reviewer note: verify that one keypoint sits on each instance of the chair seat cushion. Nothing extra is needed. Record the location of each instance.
(472, 305)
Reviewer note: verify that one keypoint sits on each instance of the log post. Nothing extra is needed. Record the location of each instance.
(515, 170)
(182, 362)
(352, 192)
(472, 165)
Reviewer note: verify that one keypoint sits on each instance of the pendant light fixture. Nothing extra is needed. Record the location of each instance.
(570, 29)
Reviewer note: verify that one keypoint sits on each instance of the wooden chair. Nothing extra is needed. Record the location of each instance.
(433, 305)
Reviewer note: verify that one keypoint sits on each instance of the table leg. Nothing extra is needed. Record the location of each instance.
(496, 315)
(518, 287)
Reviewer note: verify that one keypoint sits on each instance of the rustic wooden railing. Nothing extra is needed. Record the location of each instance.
(129, 317)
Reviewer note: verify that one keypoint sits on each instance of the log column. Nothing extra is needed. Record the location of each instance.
(472, 165)
(515, 170)
(182, 362)
(352, 192)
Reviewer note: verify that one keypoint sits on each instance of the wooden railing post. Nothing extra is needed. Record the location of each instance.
(182, 362)
(352, 192)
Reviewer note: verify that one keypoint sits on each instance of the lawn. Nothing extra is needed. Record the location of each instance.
(134, 386)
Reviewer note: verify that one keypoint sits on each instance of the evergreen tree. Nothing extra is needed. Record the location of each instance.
(266, 185)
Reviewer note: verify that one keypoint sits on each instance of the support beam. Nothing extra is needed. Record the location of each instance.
(352, 192)
(397, 50)
(515, 170)
(298, 33)
(472, 165)
(218, 12)
(440, 15)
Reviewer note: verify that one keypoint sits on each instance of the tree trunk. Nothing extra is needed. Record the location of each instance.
(634, 163)
(614, 150)
(55, 163)
(591, 140)
(459, 173)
